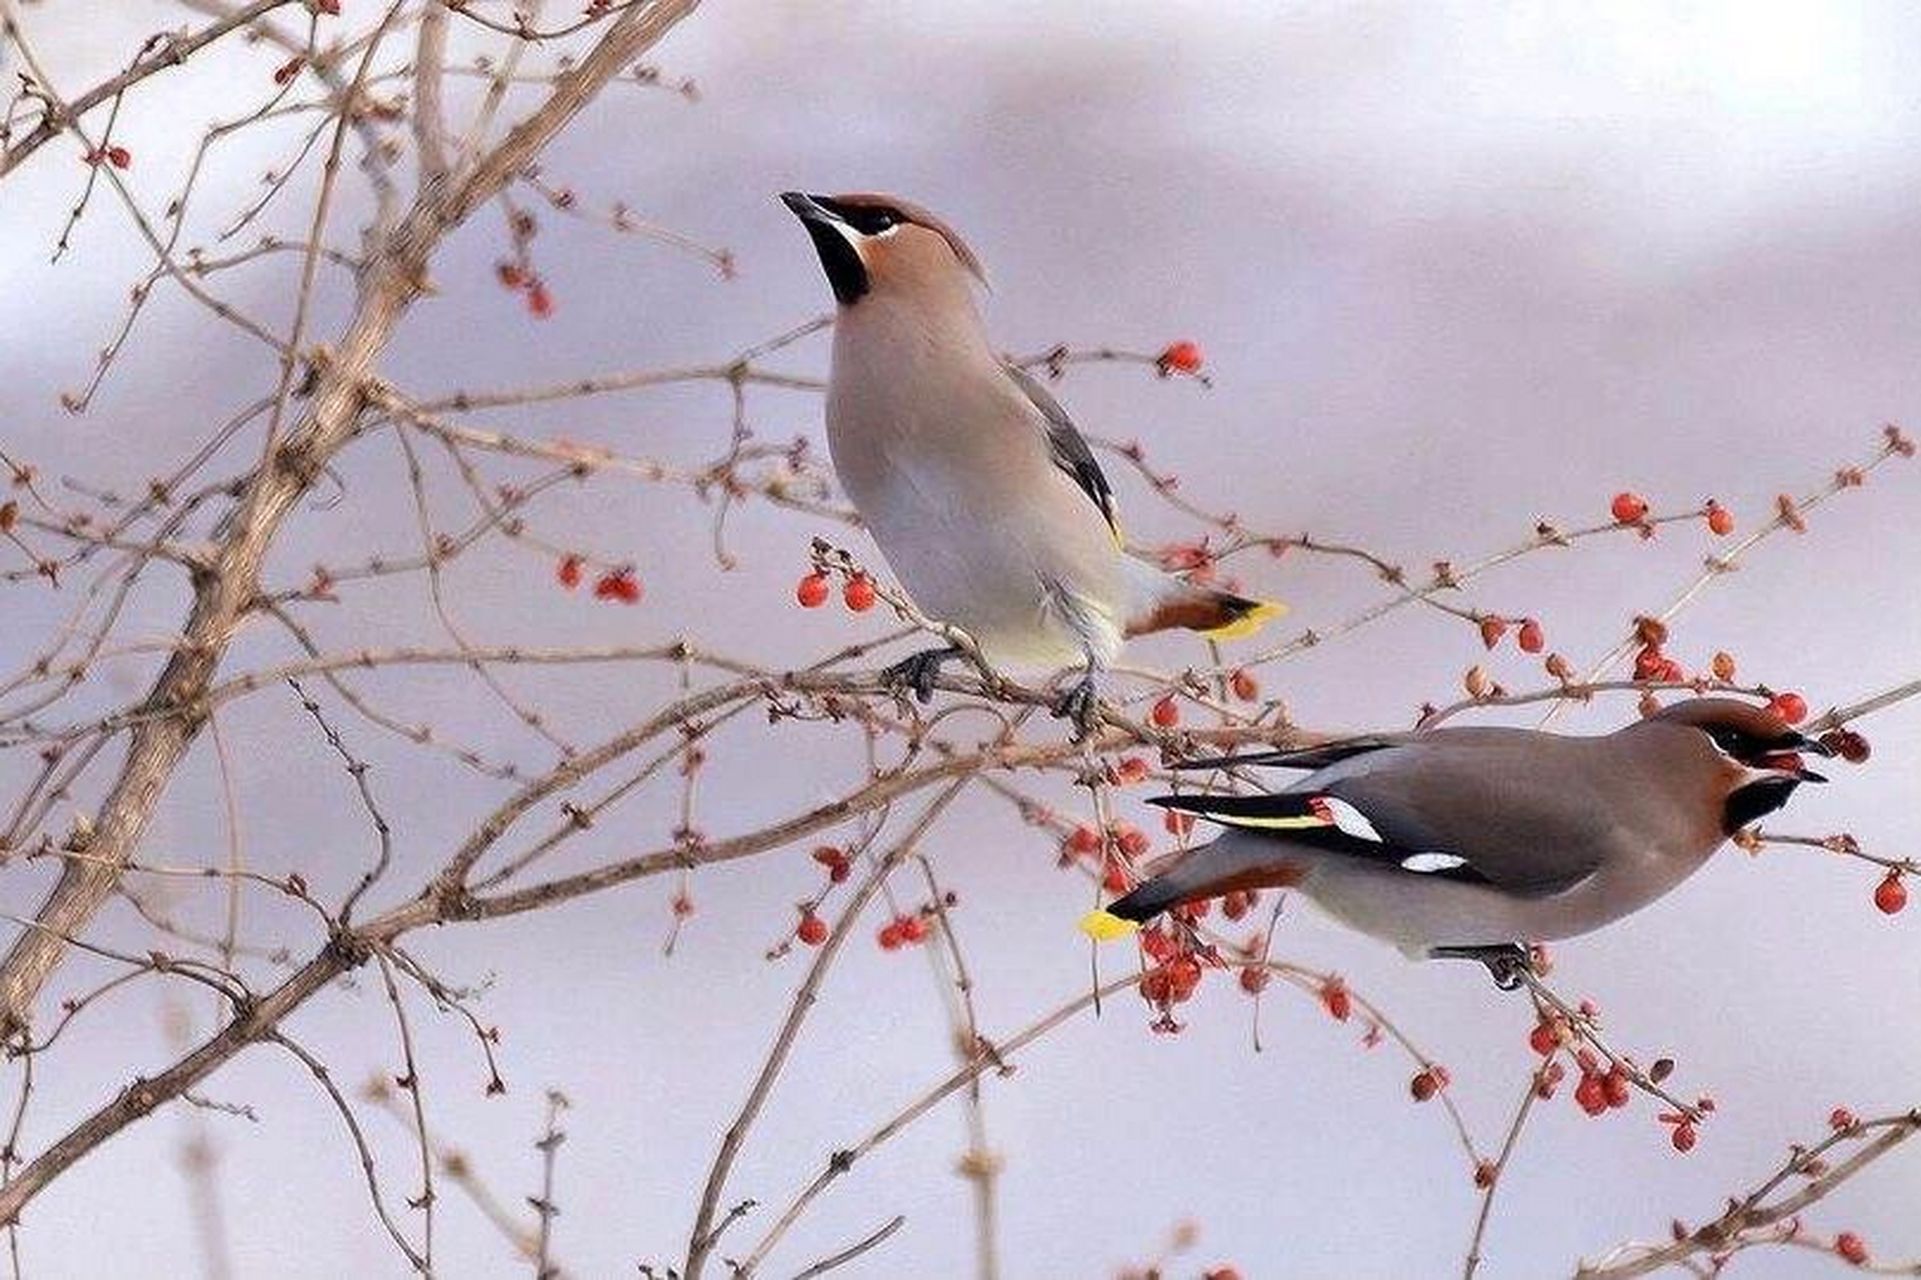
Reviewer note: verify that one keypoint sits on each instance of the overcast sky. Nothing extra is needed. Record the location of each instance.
(1457, 268)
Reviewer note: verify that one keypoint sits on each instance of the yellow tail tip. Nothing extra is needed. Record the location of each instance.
(1263, 612)
(1105, 926)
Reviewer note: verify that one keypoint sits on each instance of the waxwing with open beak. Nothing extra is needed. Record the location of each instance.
(1475, 842)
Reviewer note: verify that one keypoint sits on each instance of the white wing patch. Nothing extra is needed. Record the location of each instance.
(1345, 818)
(1432, 862)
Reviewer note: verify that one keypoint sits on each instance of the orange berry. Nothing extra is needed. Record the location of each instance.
(1791, 707)
(1166, 713)
(1720, 519)
(1245, 686)
(1492, 629)
(1628, 508)
(1531, 639)
(812, 930)
(1182, 357)
(1723, 666)
(812, 591)
(859, 593)
(1891, 895)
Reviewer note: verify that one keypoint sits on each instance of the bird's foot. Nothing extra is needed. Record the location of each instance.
(1508, 962)
(1079, 704)
(917, 672)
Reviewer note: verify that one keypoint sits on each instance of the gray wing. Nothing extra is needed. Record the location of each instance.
(1068, 447)
(1482, 797)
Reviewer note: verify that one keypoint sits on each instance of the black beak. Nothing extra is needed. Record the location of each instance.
(805, 207)
(838, 258)
(1801, 742)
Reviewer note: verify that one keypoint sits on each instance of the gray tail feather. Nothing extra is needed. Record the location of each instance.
(1208, 872)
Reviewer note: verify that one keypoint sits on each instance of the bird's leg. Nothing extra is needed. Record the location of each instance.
(919, 671)
(1079, 702)
(1509, 962)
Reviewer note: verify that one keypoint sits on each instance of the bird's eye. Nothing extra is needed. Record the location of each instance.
(874, 221)
(1732, 741)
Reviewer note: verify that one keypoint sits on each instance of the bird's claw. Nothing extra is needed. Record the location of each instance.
(1509, 963)
(917, 672)
(1079, 705)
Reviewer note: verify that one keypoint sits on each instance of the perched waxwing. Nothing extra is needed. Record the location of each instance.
(982, 495)
(1473, 842)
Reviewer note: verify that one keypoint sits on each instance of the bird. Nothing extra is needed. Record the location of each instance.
(977, 487)
(1474, 842)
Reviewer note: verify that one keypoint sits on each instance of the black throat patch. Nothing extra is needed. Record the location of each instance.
(845, 271)
(1756, 800)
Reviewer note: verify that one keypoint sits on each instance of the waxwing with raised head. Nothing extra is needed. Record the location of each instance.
(982, 495)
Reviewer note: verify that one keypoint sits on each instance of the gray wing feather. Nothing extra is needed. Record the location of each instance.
(1481, 799)
(1068, 446)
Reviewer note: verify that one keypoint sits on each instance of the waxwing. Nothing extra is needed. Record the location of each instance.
(1474, 842)
(983, 497)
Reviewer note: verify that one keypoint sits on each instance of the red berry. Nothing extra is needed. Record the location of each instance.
(1423, 1086)
(1485, 1173)
(1245, 686)
(1648, 663)
(1335, 997)
(1847, 744)
(1166, 713)
(1183, 975)
(1083, 839)
(1628, 508)
(119, 157)
(510, 276)
(1492, 629)
(1720, 519)
(1177, 823)
(1615, 1085)
(859, 593)
(1182, 357)
(683, 906)
(1531, 639)
(1544, 1039)
(1683, 1136)
(1591, 1094)
(1840, 1118)
(1237, 904)
(1791, 707)
(1221, 1273)
(618, 584)
(812, 930)
(889, 936)
(1254, 979)
(539, 302)
(1131, 839)
(812, 591)
(912, 928)
(1891, 895)
(568, 571)
(1129, 770)
(1158, 944)
(1851, 1248)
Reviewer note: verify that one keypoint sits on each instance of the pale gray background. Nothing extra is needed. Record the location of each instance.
(1456, 267)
